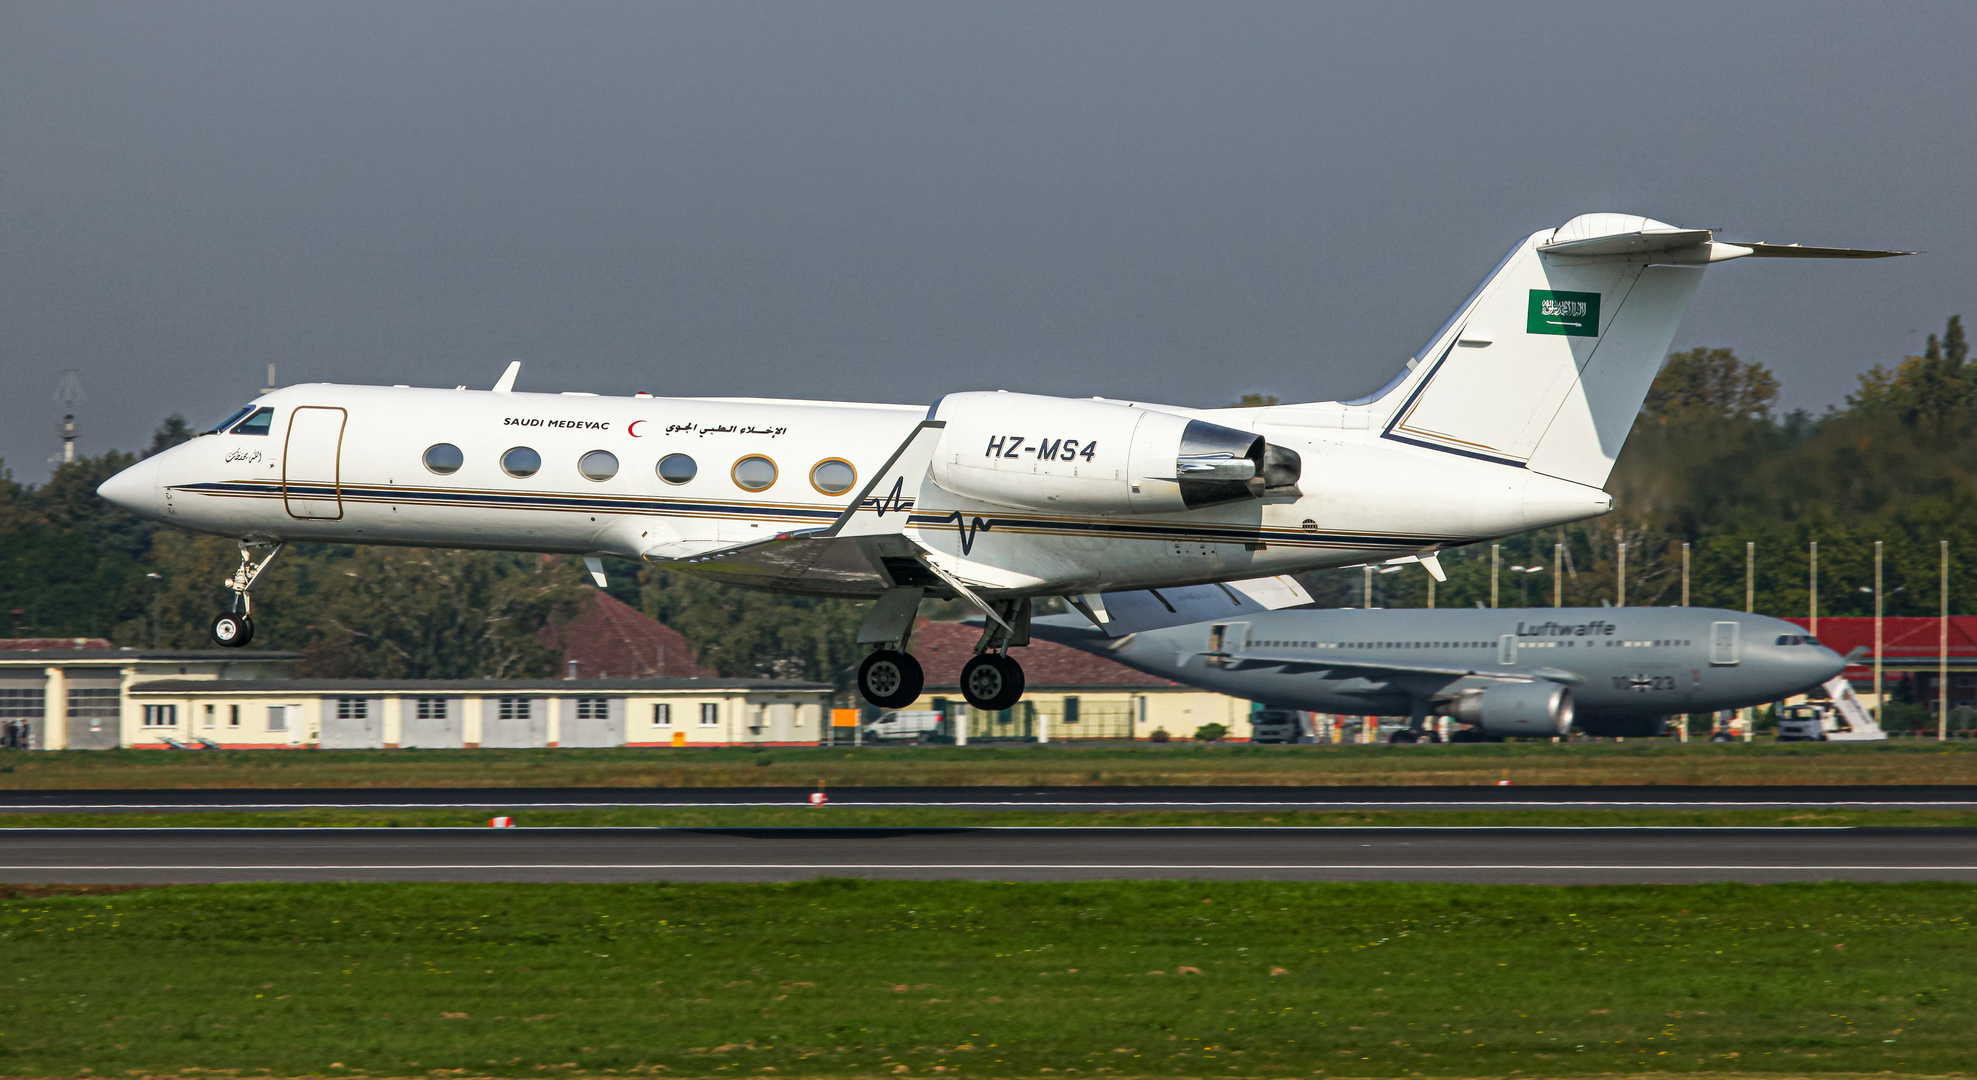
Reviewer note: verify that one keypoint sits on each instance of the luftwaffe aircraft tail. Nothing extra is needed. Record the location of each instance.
(1546, 364)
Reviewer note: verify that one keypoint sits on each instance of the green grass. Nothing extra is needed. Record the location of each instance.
(849, 816)
(990, 979)
(1659, 761)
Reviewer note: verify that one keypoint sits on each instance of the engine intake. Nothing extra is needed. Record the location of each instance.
(1045, 453)
(1514, 708)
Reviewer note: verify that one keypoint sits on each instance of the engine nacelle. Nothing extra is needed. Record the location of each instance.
(1091, 456)
(1514, 708)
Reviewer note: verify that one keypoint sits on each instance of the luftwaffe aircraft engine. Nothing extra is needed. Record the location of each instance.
(1514, 708)
(1092, 456)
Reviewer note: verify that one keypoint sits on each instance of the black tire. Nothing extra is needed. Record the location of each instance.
(1405, 736)
(890, 679)
(992, 682)
(233, 630)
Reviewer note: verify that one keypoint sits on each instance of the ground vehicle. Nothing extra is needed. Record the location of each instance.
(1803, 723)
(917, 724)
(1279, 726)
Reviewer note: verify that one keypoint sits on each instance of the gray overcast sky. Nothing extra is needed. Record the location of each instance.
(1179, 202)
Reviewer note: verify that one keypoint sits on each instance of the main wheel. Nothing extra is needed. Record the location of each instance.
(233, 629)
(1407, 736)
(890, 679)
(992, 682)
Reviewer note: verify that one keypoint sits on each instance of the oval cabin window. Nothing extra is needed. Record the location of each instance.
(598, 465)
(444, 458)
(833, 476)
(754, 473)
(677, 468)
(521, 461)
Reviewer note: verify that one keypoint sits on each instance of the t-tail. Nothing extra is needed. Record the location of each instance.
(1546, 364)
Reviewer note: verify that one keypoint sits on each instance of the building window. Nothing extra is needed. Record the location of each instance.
(352, 708)
(277, 718)
(430, 708)
(21, 704)
(161, 716)
(209, 716)
(514, 708)
(593, 708)
(710, 714)
(1071, 710)
(94, 703)
(662, 716)
(233, 716)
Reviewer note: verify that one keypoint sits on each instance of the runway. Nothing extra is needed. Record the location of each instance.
(1521, 855)
(186, 800)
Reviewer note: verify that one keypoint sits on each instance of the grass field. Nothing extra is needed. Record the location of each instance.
(987, 979)
(1639, 762)
(939, 817)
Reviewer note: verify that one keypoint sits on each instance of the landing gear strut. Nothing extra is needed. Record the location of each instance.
(992, 681)
(234, 628)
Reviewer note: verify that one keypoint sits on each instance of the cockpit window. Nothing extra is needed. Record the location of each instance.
(229, 421)
(257, 424)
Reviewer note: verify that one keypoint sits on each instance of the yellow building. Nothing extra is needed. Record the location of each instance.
(359, 714)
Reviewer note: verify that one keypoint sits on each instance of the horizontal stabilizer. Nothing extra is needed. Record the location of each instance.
(1800, 251)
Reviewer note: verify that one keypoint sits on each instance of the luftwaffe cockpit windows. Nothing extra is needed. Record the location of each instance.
(833, 476)
(256, 424)
(229, 421)
(598, 465)
(754, 473)
(521, 461)
(444, 458)
(677, 468)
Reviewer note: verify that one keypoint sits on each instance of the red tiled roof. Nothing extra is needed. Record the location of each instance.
(614, 640)
(942, 647)
(25, 644)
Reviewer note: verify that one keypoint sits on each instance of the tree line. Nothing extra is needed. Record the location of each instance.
(1711, 463)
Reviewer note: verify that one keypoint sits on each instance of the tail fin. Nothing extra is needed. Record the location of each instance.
(1549, 362)
(1546, 365)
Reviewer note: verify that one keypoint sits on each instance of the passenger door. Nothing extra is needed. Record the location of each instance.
(1723, 644)
(311, 463)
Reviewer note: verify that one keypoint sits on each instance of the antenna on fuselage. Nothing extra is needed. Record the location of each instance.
(506, 383)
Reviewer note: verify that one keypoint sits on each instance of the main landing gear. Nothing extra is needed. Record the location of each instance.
(234, 627)
(891, 678)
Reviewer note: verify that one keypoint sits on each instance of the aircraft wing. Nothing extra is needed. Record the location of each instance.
(1135, 610)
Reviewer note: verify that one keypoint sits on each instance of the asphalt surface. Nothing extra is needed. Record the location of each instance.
(1543, 856)
(990, 798)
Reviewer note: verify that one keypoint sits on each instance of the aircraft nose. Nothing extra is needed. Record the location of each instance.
(135, 489)
(1823, 663)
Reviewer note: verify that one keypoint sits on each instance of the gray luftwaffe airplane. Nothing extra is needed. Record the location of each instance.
(1502, 671)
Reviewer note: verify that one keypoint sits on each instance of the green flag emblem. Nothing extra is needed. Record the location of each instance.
(1572, 313)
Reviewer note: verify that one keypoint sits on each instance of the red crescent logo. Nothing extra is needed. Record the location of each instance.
(632, 429)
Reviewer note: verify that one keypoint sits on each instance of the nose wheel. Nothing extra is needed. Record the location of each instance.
(234, 628)
(233, 631)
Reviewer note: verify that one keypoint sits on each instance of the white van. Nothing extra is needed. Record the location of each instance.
(915, 724)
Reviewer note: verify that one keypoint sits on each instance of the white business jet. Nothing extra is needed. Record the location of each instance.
(1508, 419)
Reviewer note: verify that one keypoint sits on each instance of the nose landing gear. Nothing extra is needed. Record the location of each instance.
(234, 628)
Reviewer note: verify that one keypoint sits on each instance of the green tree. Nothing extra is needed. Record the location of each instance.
(743, 632)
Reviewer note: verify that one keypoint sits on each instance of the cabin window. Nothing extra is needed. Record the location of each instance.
(833, 476)
(521, 461)
(677, 468)
(598, 465)
(256, 424)
(444, 458)
(754, 473)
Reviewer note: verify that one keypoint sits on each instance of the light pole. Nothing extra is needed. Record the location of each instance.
(1557, 579)
(1685, 581)
(1525, 573)
(1496, 563)
(1812, 576)
(157, 609)
(1943, 648)
(1750, 577)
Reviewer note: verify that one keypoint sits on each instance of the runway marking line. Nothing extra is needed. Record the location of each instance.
(984, 866)
(1441, 803)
